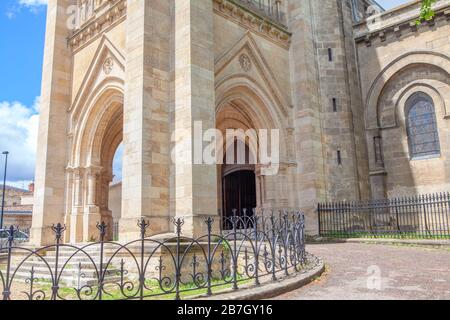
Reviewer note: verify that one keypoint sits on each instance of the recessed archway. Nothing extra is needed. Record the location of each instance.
(245, 105)
(238, 181)
(97, 136)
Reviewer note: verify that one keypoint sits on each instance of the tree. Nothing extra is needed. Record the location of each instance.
(426, 11)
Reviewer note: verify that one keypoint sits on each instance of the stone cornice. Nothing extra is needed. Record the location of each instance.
(107, 18)
(103, 21)
(258, 24)
(399, 27)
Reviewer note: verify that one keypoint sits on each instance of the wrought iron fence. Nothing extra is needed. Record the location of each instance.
(424, 216)
(21, 236)
(115, 231)
(257, 248)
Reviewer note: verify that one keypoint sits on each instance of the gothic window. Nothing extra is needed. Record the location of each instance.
(421, 126)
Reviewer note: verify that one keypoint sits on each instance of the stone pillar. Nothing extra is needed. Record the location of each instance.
(76, 214)
(92, 214)
(92, 186)
(146, 137)
(51, 160)
(69, 203)
(196, 184)
(103, 202)
(377, 169)
(311, 184)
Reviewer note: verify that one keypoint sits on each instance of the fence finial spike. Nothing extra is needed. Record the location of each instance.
(178, 222)
(143, 225)
(58, 229)
(102, 226)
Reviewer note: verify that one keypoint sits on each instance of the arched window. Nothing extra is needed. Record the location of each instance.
(421, 126)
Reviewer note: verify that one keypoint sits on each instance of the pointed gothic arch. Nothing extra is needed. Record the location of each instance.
(241, 103)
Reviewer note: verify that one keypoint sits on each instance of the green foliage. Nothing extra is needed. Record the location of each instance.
(426, 11)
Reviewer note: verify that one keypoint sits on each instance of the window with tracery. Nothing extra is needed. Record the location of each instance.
(421, 126)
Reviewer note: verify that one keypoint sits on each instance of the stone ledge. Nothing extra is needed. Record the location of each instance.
(417, 242)
(272, 289)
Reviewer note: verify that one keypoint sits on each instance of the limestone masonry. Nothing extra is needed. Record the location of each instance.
(361, 102)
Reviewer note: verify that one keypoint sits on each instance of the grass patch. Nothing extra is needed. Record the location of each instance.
(152, 292)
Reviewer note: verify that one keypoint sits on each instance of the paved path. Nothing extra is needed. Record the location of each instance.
(369, 272)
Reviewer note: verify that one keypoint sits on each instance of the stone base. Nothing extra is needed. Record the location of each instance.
(195, 226)
(130, 231)
(40, 237)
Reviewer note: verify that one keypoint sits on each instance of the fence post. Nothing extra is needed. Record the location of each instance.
(178, 224)
(143, 225)
(319, 213)
(424, 205)
(209, 221)
(256, 251)
(285, 244)
(102, 231)
(58, 230)
(235, 253)
(7, 289)
(274, 248)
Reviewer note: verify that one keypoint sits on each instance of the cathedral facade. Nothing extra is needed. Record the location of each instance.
(359, 98)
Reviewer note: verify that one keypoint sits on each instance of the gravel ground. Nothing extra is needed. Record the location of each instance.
(373, 272)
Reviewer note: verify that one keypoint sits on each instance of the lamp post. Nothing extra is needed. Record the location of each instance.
(4, 188)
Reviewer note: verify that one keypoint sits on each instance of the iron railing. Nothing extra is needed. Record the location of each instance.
(264, 248)
(22, 236)
(115, 231)
(424, 216)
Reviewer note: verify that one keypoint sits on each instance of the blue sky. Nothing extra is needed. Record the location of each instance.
(22, 30)
(388, 4)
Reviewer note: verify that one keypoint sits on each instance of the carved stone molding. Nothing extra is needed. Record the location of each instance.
(245, 62)
(400, 28)
(252, 21)
(103, 21)
(108, 65)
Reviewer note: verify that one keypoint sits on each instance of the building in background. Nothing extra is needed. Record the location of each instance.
(360, 99)
(18, 206)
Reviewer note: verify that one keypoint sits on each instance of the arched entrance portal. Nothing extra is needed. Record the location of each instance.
(238, 186)
(243, 105)
(238, 180)
(98, 132)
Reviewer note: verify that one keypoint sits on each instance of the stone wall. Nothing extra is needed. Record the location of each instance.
(142, 73)
(115, 201)
(20, 220)
(13, 195)
(396, 59)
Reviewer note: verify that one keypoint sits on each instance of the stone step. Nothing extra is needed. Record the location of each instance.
(95, 251)
(70, 266)
(63, 259)
(67, 279)
(41, 269)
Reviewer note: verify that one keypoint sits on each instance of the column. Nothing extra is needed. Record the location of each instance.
(76, 213)
(92, 214)
(311, 181)
(146, 160)
(51, 158)
(196, 184)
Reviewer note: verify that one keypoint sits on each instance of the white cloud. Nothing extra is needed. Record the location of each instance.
(33, 3)
(34, 6)
(18, 135)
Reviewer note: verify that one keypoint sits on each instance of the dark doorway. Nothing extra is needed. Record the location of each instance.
(239, 192)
